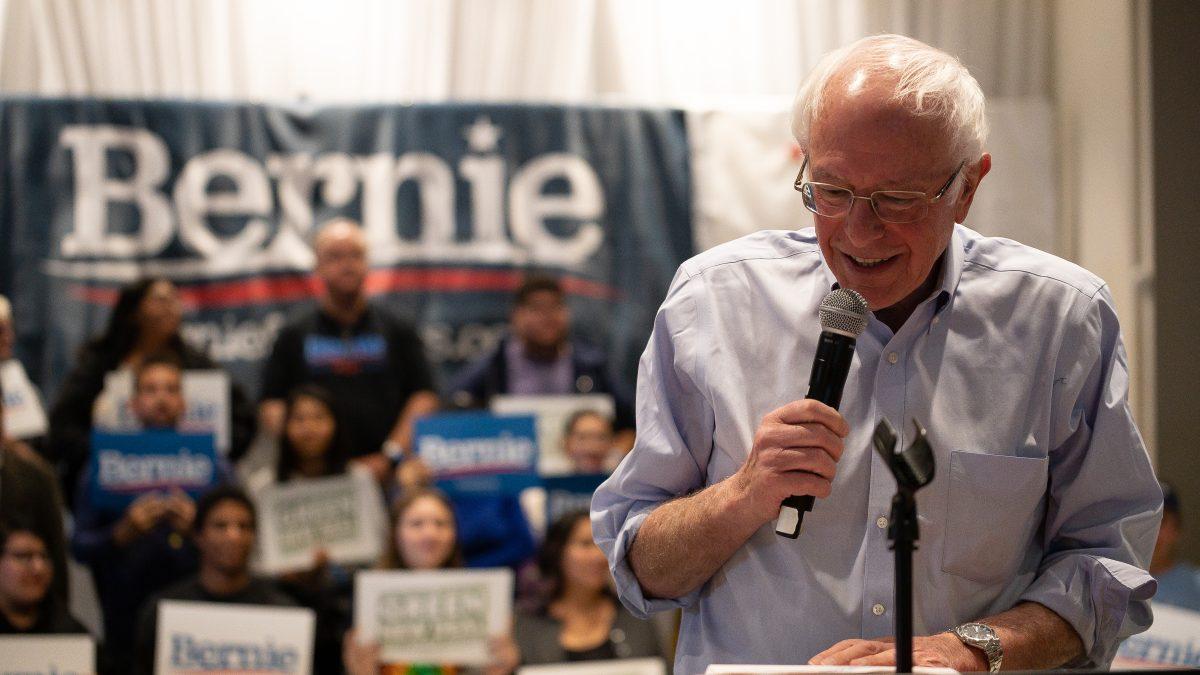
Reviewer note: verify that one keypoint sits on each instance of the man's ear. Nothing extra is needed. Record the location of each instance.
(972, 175)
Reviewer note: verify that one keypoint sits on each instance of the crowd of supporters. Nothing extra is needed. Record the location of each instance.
(341, 391)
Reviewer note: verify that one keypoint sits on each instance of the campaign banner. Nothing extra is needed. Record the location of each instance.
(1173, 641)
(552, 413)
(437, 617)
(48, 654)
(126, 465)
(24, 416)
(565, 494)
(614, 667)
(479, 453)
(198, 637)
(342, 515)
(458, 202)
(205, 395)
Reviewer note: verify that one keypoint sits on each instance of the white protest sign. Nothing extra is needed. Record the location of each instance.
(24, 416)
(208, 636)
(551, 414)
(58, 654)
(205, 392)
(1173, 641)
(616, 667)
(439, 617)
(342, 515)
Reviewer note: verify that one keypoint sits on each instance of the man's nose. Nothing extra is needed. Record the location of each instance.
(861, 224)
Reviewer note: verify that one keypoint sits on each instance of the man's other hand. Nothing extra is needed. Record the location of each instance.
(940, 651)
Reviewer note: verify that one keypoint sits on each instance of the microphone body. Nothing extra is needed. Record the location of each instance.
(843, 318)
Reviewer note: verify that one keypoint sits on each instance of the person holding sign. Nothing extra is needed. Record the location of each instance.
(371, 362)
(313, 447)
(424, 537)
(145, 321)
(27, 605)
(580, 618)
(142, 548)
(224, 533)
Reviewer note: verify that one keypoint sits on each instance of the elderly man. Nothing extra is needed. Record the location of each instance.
(1041, 518)
(372, 363)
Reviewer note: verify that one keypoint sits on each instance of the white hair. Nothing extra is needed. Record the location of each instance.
(929, 83)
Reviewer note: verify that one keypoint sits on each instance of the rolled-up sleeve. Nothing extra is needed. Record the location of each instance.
(674, 441)
(1105, 503)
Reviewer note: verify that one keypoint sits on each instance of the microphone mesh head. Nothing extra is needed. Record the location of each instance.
(844, 311)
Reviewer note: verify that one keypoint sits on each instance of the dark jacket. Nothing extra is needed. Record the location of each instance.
(486, 377)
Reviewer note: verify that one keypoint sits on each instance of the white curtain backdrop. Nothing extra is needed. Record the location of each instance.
(629, 51)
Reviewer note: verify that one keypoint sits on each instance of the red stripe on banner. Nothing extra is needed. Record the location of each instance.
(266, 290)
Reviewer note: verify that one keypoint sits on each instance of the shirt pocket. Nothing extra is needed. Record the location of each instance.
(992, 513)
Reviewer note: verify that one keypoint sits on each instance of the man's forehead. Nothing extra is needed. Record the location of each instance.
(339, 235)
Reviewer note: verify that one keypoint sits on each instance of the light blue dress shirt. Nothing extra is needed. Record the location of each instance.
(1015, 366)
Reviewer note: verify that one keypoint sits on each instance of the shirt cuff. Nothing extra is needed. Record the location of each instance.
(1104, 600)
(628, 588)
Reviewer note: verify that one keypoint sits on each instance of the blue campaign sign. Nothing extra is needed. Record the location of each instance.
(570, 493)
(126, 465)
(479, 453)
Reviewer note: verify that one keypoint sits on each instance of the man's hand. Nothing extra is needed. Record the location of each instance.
(378, 464)
(795, 452)
(942, 651)
(412, 473)
(180, 509)
(140, 517)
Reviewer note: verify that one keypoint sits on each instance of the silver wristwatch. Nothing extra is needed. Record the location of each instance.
(983, 637)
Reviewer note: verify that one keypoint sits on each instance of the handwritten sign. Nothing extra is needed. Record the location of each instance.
(441, 616)
(479, 453)
(195, 637)
(126, 465)
(342, 515)
(50, 654)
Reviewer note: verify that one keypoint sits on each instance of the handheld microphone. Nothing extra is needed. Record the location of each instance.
(843, 318)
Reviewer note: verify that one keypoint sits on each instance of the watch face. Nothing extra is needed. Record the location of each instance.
(976, 631)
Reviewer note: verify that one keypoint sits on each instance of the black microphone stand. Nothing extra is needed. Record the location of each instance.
(913, 469)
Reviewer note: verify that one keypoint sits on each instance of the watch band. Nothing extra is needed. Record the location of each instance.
(982, 636)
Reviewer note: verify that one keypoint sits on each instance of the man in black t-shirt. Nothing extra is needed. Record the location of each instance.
(373, 363)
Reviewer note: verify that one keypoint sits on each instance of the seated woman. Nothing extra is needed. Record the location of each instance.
(424, 536)
(27, 606)
(580, 618)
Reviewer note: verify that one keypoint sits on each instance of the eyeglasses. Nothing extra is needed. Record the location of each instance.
(892, 206)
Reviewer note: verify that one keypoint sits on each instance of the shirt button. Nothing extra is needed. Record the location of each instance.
(881, 522)
(878, 609)
(893, 358)
(936, 319)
